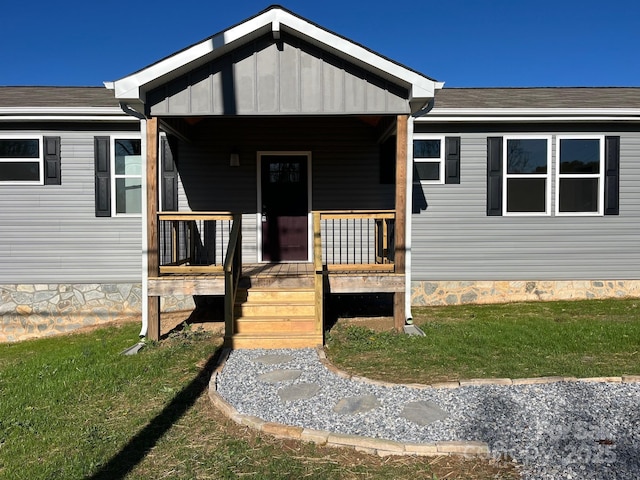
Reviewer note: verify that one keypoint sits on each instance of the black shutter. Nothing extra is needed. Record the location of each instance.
(168, 157)
(494, 176)
(52, 172)
(452, 160)
(103, 176)
(612, 175)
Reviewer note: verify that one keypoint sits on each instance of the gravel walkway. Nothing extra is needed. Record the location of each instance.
(563, 430)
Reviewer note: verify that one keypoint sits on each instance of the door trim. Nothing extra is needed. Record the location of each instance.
(281, 153)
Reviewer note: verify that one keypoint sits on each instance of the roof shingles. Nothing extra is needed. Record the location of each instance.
(56, 97)
(539, 97)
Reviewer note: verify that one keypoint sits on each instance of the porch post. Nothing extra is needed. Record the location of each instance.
(401, 216)
(153, 303)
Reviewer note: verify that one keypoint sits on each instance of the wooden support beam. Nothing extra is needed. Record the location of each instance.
(401, 193)
(401, 216)
(399, 317)
(153, 260)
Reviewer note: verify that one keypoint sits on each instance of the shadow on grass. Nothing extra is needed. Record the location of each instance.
(139, 446)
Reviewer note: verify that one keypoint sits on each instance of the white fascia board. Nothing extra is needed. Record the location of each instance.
(421, 86)
(530, 114)
(129, 87)
(64, 113)
(275, 20)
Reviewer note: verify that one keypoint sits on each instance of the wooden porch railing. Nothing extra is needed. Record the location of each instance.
(193, 242)
(232, 273)
(355, 240)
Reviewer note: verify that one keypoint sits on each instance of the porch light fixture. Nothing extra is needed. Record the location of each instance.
(234, 159)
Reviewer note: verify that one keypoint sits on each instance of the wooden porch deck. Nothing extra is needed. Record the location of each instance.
(278, 274)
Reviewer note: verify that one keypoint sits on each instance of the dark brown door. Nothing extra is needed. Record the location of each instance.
(285, 207)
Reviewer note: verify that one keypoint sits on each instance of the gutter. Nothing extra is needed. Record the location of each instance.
(409, 222)
(145, 260)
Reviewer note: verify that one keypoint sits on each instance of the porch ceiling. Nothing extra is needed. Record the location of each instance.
(275, 63)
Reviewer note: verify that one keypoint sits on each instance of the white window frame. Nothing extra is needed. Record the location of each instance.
(114, 176)
(440, 160)
(506, 175)
(599, 176)
(39, 160)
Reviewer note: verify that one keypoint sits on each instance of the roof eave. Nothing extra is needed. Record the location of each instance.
(531, 114)
(134, 86)
(63, 114)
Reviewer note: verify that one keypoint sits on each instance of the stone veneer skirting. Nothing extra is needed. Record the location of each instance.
(39, 310)
(431, 293)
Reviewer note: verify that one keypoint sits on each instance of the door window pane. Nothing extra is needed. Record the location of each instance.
(284, 172)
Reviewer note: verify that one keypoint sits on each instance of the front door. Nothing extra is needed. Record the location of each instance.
(285, 207)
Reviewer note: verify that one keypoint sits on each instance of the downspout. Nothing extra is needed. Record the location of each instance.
(409, 240)
(145, 274)
(409, 210)
(145, 259)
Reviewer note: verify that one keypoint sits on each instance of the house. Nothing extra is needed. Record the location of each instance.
(276, 164)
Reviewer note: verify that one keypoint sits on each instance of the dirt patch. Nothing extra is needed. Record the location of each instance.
(377, 324)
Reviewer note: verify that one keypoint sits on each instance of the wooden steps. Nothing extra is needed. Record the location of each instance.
(275, 317)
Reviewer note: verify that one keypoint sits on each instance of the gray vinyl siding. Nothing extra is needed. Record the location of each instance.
(287, 77)
(344, 159)
(50, 233)
(454, 239)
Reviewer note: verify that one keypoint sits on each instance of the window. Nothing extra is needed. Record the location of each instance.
(127, 176)
(428, 159)
(118, 176)
(21, 161)
(579, 173)
(587, 175)
(526, 179)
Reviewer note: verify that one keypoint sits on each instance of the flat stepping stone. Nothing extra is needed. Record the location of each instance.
(423, 412)
(299, 391)
(282, 375)
(359, 404)
(273, 359)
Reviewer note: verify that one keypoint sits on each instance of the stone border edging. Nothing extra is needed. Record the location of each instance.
(377, 446)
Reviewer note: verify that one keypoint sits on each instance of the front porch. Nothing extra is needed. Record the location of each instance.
(275, 304)
(273, 145)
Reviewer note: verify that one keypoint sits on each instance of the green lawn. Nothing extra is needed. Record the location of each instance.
(578, 338)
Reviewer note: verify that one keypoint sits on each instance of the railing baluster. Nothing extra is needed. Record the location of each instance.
(193, 242)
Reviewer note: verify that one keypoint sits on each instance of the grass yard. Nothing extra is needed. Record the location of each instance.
(574, 338)
(72, 407)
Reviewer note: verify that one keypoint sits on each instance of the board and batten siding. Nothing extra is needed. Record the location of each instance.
(454, 239)
(344, 157)
(50, 233)
(268, 77)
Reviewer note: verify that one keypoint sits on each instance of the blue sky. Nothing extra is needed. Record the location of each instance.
(461, 42)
